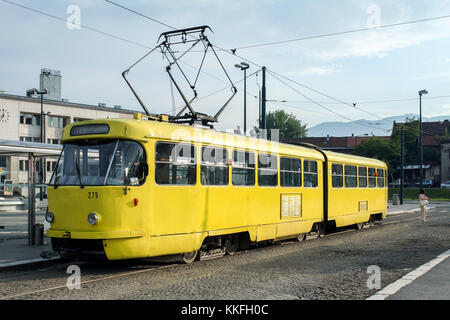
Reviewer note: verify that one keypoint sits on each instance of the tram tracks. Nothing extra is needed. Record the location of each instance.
(94, 279)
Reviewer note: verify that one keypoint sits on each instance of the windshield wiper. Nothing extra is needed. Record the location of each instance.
(77, 164)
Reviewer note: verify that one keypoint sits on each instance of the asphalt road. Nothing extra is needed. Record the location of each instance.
(333, 267)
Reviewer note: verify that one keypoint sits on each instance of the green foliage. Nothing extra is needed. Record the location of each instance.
(288, 124)
(390, 151)
(381, 149)
(411, 133)
(436, 194)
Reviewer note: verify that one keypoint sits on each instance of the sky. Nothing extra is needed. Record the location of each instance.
(379, 64)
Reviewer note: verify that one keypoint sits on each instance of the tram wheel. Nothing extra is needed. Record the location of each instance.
(301, 237)
(232, 245)
(320, 228)
(189, 257)
(359, 226)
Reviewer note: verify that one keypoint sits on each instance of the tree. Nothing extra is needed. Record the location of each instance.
(411, 139)
(287, 124)
(381, 149)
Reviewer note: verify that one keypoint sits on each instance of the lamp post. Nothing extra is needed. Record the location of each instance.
(244, 66)
(402, 170)
(42, 162)
(421, 92)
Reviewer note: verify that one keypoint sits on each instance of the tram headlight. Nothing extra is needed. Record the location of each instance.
(93, 218)
(49, 216)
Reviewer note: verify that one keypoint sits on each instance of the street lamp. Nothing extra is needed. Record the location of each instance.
(43, 171)
(41, 93)
(421, 92)
(244, 66)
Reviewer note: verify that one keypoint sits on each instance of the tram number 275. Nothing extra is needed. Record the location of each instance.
(92, 195)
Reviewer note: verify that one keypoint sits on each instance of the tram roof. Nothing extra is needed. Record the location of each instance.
(351, 159)
(142, 130)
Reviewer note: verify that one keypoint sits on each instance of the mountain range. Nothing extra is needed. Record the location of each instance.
(382, 127)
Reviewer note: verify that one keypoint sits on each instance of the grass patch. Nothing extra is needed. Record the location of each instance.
(413, 193)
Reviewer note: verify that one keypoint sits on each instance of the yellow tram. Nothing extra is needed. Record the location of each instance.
(134, 188)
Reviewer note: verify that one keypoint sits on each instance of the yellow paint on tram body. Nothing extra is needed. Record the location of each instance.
(170, 219)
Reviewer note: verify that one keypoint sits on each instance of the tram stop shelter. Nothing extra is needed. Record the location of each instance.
(33, 151)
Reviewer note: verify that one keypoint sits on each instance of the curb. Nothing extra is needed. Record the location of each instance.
(27, 263)
(416, 210)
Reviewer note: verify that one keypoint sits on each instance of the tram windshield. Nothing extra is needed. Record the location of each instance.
(99, 163)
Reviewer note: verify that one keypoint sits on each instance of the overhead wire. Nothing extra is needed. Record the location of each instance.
(233, 52)
(322, 106)
(341, 32)
(104, 33)
(230, 51)
(375, 101)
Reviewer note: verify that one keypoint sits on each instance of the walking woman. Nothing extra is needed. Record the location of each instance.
(423, 201)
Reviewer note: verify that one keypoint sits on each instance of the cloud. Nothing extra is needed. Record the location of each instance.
(431, 76)
(314, 71)
(376, 43)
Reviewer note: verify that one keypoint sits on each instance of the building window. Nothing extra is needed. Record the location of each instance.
(362, 171)
(23, 165)
(54, 141)
(30, 119)
(310, 173)
(351, 177)
(290, 172)
(243, 168)
(214, 169)
(372, 178)
(57, 122)
(175, 164)
(51, 166)
(30, 139)
(337, 175)
(267, 170)
(2, 161)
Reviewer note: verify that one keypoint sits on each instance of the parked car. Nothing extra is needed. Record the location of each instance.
(445, 184)
(426, 183)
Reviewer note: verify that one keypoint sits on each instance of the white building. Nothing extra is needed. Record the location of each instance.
(20, 120)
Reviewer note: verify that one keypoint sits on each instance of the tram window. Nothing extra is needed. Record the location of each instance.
(337, 175)
(214, 169)
(243, 168)
(351, 177)
(380, 178)
(175, 164)
(372, 178)
(362, 172)
(310, 173)
(100, 162)
(267, 170)
(290, 172)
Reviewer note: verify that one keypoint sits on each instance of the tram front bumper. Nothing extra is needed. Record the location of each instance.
(104, 235)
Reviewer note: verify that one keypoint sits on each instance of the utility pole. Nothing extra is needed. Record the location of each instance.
(30, 93)
(244, 66)
(43, 164)
(402, 169)
(262, 125)
(421, 92)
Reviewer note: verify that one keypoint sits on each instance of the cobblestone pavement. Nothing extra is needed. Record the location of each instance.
(333, 267)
